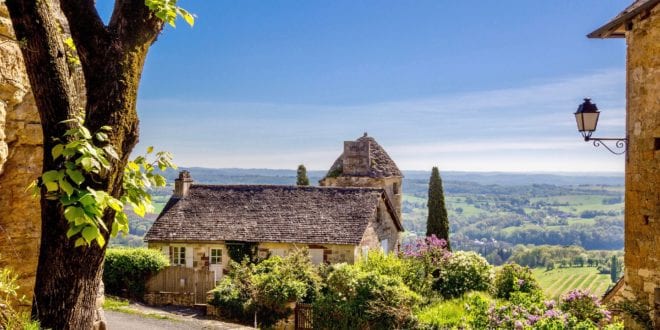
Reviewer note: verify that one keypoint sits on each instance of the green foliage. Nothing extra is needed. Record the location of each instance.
(614, 269)
(636, 311)
(512, 278)
(463, 272)
(452, 313)
(301, 176)
(268, 288)
(10, 318)
(239, 251)
(365, 295)
(127, 269)
(167, 10)
(437, 222)
(82, 157)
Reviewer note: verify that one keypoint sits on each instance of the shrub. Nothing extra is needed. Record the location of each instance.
(512, 278)
(357, 297)
(463, 272)
(584, 306)
(126, 270)
(268, 288)
(448, 314)
(10, 318)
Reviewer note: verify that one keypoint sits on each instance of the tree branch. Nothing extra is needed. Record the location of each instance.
(134, 23)
(87, 29)
(45, 62)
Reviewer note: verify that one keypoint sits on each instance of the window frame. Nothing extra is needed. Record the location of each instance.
(215, 259)
(176, 257)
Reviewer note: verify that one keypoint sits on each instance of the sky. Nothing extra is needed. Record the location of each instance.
(462, 85)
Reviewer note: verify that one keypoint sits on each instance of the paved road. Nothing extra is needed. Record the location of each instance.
(126, 321)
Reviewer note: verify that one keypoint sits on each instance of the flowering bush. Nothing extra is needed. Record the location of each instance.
(512, 278)
(584, 306)
(463, 272)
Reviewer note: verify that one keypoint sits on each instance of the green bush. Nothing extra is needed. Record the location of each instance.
(269, 288)
(448, 314)
(365, 295)
(126, 270)
(463, 272)
(512, 278)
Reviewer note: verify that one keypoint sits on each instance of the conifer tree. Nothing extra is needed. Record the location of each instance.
(302, 179)
(614, 269)
(437, 222)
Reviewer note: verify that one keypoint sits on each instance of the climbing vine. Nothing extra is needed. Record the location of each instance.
(82, 156)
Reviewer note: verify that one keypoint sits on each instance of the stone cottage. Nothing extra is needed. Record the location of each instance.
(639, 24)
(338, 223)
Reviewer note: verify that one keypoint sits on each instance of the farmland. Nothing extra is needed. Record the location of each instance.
(561, 280)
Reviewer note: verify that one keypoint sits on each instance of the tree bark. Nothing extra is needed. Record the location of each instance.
(112, 58)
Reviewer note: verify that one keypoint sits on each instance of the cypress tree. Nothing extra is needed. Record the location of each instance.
(302, 179)
(437, 222)
(614, 269)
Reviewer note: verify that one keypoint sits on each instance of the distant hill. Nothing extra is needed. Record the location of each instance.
(279, 176)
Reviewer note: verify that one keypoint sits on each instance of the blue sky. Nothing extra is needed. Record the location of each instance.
(463, 85)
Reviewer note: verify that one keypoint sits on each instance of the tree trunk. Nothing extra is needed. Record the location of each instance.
(112, 58)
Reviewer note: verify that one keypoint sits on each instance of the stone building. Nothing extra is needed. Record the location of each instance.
(340, 222)
(639, 24)
(364, 163)
(20, 163)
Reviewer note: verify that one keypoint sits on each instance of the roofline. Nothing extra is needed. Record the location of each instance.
(392, 211)
(609, 29)
(224, 242)
(243, 186)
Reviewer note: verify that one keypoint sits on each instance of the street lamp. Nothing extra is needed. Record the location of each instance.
(586, 118)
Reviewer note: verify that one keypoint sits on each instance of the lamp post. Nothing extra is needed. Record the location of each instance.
(586, 118)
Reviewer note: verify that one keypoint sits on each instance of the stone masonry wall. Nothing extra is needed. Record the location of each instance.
(20, 163)
(642, 214)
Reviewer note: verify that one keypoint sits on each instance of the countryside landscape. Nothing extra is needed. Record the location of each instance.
(367, 165)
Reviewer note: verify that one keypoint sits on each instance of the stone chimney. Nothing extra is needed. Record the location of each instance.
(357, 157)
(182, 184)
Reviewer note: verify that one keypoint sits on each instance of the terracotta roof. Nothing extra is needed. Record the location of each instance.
(262, 213)
(615, 28)
(381, 163)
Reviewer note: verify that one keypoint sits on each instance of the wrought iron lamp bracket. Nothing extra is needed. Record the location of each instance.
(620, 144)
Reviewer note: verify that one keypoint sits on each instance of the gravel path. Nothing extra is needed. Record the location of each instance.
(173, 321)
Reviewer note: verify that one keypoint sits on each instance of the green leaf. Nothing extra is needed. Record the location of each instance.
(106, 128)
(56, 152)
(100, 240)
(73, 230)
(51, 186)
(133, 166)
(50, 176)
(66, 186)
(76, 176)
(150, 149)
(80, 242)
(72, 213)
(101, 136)
(90, 233)
(188, 17)
(111, 151)
(86, 163)
(115, 204)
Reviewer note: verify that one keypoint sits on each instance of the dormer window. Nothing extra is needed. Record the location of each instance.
(395, 188)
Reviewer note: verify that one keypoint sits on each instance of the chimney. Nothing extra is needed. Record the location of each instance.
(182, 184)
(357, 157)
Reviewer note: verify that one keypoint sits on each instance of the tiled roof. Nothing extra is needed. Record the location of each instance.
(613, 28)
(381, 163)
(262, 213)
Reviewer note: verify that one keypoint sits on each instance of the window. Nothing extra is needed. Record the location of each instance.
(316, 256)
(216, 256)
(395, 188)
(179, 255)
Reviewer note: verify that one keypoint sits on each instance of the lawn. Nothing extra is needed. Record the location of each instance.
(560, 280)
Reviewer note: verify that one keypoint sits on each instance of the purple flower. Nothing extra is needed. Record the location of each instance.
(518, 324)
(521, 282)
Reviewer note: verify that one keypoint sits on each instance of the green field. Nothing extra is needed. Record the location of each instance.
(561, 280)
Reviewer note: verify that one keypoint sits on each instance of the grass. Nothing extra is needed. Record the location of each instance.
(561, 280)
(122, 305)
(447, 314)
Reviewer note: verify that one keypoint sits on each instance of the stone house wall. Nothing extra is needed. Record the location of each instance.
(379, 229)
(20, 163)
(391, 185)
(642, 213)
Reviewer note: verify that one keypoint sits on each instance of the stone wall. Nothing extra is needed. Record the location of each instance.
(380, 228)
(20, 163)
(642, 214)
(391, 185)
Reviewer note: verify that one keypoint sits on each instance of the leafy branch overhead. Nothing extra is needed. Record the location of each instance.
(82, 158)
(167, 10)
